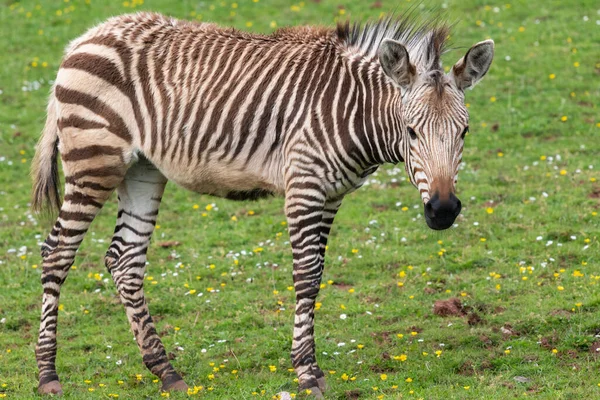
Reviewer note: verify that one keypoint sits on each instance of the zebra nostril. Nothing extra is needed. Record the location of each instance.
(429, 210)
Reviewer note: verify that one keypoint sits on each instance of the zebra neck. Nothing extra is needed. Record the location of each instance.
(372, 113)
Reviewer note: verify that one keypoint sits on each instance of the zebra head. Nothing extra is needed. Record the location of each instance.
(435, 121)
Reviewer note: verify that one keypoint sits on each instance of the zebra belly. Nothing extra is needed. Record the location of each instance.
(221, 179)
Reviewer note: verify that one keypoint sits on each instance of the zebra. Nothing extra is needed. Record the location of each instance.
(307, 113)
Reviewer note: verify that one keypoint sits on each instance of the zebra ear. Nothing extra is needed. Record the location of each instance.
(394, 60)
(474, 65)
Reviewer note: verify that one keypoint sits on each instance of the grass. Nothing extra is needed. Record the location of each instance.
(524, 259)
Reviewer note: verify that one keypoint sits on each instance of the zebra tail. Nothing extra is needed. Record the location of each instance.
(44, 169)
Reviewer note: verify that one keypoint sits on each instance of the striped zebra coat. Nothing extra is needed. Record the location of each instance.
(307, 113)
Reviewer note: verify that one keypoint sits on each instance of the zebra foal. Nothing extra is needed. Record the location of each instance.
(307, 113)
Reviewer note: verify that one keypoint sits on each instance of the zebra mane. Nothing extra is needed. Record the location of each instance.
(425, 40)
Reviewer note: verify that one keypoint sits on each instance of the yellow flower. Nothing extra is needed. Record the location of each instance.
(564, 118)
(543, 158)
(489, 210)
(560, 288)
(466, 387)
(413, 333)
(401, 357)
(554, 351)
(576, 64)
(482, 239)
(521, 29)
(273, 24)
(209, 207)
(438, 353)
(552, 76)
(408, 380)
(354, 251)
(493, 99)
(404, 208)
(507, 351)
(211, 377)
(272, 368)
(360, 346)
(344, 377)
(195, 206)
(400, 336)
(383, 377)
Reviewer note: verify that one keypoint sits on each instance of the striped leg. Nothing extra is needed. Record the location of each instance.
(304, 210)
(139, 199)
(85, 193)
(331, 208)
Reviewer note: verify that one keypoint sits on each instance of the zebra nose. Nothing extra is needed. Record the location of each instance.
(440, 214)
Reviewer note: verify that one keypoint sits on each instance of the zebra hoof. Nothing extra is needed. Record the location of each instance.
(322, 384)
(177, 386)
(52, 387)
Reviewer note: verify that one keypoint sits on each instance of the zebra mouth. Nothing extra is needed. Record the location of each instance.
(440, 224)
(441, 214)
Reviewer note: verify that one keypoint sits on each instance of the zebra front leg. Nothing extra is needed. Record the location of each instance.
(330, 210)
(140, 194)
(304, 211)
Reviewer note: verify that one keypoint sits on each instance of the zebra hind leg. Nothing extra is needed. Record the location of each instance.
(86, 190)
(140, 194)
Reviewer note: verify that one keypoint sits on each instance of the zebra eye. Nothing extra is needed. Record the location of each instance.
(463, 134)
(412, 133)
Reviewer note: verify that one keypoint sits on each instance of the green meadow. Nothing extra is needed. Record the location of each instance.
(506, 304)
